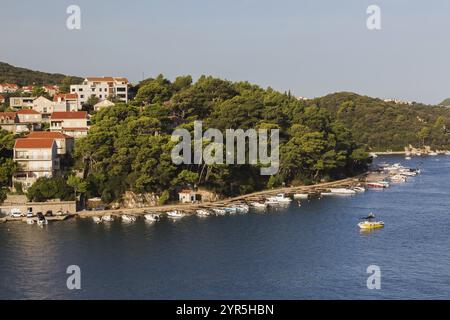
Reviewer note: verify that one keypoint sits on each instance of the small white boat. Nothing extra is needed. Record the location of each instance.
(242, 208)
(30, 221)
(231, 210)
(202, 212)
(407, 158)
(175, 214)
(377, 185)
(128, 218)
(152, 217)
(398, 178)
(433, 153)
(280, 198)
(359, 189)
(447, 153)
(408, 173)
(258, 205)
(301, 196)
(108, 218)
(219, 212)
(97, 219)
(342, 191)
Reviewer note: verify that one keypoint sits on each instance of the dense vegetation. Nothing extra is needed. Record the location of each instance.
(128, 146)
(22, 76)
(387, 125)
(7, 165)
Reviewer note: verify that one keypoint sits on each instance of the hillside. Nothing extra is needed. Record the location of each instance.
(22, 76)
(386, 125)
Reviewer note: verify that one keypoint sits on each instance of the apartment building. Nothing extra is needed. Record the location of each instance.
(21, 102)
(60, 104)
(8, 88)
(35, 158)
(64, 143)
(72, 123)
(102, 88)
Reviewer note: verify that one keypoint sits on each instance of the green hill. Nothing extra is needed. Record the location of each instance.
(387, 125)
(22, 76)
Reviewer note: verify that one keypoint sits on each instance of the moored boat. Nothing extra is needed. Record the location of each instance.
(97, 219)
(202, 213)
(151, 217)
(342, 191)
(175, 214)
(367, 225)
(359, 189)
(128, 218)
(259, 205)
(41, 221)
(107, 218)
(280, 198)
(219, 211)
(377, 185)
(301, 196)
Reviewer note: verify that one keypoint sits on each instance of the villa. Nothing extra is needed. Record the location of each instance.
(72, 123)
(64, 143)
(35, 158)
(8, 88)
(21, 102)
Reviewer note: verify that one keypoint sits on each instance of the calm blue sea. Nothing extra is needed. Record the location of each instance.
(315, 251)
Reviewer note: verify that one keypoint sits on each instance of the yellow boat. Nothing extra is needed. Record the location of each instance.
(365, 225)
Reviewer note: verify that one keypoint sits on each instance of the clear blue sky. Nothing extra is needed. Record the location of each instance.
(309, 47)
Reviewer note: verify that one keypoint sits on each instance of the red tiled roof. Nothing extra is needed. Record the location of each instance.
(9, 85)
(186, 191)
(25, 143)
(27, 111)
(65, 96)
(47, 135)
(69, 115)
(11, 115)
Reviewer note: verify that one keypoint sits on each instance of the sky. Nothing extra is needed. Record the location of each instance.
(311, 47)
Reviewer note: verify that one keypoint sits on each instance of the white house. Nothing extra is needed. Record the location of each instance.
(102, 88)
(66, 102)
(73, 123)
(8, 88)
(21, 102)
(35, 158)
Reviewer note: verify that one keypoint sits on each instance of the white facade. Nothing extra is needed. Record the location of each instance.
(101, 88)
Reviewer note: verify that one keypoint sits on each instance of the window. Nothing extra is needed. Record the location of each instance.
(80, 89)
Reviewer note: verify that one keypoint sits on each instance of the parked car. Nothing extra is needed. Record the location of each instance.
(16, 213)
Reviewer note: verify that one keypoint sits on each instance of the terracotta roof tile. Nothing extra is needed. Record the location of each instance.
(25, 143)
(47, 135)
(69, 115)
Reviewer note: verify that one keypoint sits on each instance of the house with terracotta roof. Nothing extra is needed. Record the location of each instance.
(21, 102)
(29, 116)
(35, 158)
(64, 143)
(8, 88)
(72, 123)
(9, 121)
(102, 88)
(27, 89)
(103, 104)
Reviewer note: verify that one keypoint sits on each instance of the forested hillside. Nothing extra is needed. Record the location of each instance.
(387, 125)
(22, 76)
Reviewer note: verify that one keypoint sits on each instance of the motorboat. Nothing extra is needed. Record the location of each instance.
(301, 196)
(108, 218)
(231, 210)
(280, 198)
(41, 219)
(377, 185)
(97, 219)
(398, 178)
(30, 221)
(219, 211)
(342, 191)
(16, 213)
(242, 208)
(367, 225)
(128, 218)
(433, 153)
(175, 214)
(408, 158)
(408, 172)
(259, 205)
(152, 217)
(359, 189)
(202, 212)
